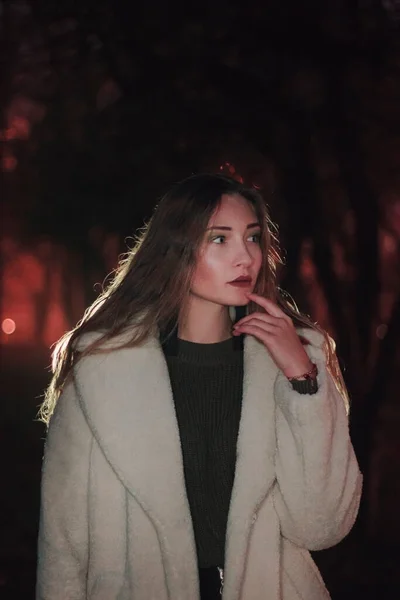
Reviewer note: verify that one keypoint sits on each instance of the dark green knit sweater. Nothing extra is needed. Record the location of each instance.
(206, 382)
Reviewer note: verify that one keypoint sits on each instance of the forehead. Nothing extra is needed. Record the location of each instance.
(233, 208)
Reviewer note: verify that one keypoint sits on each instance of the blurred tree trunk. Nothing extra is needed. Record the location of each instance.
(305, 220)
(365, 306)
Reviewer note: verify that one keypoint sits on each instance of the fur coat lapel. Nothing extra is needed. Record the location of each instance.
(127, 399)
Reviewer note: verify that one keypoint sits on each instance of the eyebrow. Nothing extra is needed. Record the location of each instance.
(224, 228)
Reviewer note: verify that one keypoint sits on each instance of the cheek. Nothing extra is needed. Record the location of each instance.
(208, 270)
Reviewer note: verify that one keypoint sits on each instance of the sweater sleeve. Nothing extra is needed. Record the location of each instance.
(318, 482)
(63, 528)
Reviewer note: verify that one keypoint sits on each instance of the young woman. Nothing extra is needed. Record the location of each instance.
(191, 453)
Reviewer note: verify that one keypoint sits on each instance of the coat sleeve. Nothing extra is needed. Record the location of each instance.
(63, 527)
(318, 482)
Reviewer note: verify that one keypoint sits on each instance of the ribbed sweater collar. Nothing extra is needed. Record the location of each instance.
(226, 352)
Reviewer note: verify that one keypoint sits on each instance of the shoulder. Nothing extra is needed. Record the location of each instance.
(84, 341)
(102, 342)
(100, 357)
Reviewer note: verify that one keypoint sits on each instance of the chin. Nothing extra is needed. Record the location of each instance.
(239, 299)
(242, 302)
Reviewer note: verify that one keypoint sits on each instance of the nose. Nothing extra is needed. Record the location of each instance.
(243, 256)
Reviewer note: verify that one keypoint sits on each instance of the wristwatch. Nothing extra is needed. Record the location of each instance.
(305, 386)
(306, 383)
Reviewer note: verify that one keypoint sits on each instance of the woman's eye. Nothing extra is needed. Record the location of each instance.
(256, 238)
(219, 239)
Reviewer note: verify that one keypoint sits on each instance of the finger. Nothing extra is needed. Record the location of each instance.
(262, 334)
(264, 321)
(271, 307)
(267, 327)
(267, 318)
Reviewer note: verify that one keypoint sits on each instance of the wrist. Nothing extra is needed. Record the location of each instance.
(309, 372)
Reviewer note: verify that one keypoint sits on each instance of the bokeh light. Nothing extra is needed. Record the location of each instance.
(8, 326)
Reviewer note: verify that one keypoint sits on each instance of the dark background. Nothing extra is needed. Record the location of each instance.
(105, 105)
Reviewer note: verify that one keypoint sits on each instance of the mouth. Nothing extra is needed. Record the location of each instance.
(243, 281)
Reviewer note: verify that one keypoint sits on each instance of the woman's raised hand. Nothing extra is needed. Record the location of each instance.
(278, 334)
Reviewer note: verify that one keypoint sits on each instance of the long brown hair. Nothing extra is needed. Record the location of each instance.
(153, 278)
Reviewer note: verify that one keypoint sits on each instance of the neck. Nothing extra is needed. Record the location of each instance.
(205, 324)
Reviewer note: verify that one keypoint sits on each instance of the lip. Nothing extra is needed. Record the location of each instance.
(241, 282)
(242, 279)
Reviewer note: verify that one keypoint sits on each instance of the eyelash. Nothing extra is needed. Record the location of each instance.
(254, 235)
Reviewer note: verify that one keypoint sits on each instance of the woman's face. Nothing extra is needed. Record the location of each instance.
(230, 250)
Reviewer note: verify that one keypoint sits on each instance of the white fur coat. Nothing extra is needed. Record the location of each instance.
(115, 521)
